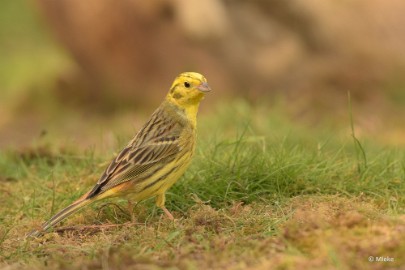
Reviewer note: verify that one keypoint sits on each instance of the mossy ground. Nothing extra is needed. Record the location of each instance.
(262, 193)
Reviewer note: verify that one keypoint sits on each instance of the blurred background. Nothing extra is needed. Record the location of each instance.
(67, 63)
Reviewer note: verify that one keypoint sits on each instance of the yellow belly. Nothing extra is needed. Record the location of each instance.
(160, 182)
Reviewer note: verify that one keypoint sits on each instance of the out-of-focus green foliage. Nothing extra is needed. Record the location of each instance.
(29, 55)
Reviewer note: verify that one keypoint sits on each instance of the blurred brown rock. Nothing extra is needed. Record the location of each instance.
(304, 48)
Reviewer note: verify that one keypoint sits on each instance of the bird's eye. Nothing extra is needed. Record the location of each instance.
(187, 84)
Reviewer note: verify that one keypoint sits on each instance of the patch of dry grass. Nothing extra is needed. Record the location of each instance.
(262, 193)
(316, 232)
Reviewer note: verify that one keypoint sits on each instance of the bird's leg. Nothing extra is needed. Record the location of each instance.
(169, 215)
(131, 211)
(160, 202)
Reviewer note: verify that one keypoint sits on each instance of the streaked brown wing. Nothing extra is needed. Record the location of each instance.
(144, 162)
(137, 164)
(153, 147)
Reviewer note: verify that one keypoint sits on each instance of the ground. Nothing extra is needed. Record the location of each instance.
(262, 193)
(290, 180)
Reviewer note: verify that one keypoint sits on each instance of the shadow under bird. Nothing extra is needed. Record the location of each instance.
(156, 157)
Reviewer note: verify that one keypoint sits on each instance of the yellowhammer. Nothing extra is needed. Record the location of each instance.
(156, 157)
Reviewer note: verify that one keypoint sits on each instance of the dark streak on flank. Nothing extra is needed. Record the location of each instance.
(160, 178)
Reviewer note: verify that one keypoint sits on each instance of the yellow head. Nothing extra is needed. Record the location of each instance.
(188, 89)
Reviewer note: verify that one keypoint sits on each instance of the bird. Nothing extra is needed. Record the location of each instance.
(155, 158)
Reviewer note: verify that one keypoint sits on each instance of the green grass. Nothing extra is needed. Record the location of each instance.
(262, 192)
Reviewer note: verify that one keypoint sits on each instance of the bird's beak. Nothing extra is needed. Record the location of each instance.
(204, 87)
